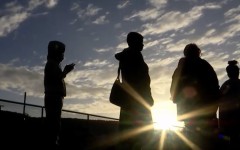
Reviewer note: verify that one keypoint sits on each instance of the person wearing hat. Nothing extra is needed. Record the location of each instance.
(55, 90)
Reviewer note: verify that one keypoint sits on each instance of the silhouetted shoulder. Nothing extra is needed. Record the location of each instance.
(204, 61)
(119, 56)
(206, 64)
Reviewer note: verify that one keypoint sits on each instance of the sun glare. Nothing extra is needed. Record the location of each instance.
(165, 117)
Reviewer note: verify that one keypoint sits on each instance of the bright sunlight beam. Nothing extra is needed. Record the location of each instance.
(165, 116)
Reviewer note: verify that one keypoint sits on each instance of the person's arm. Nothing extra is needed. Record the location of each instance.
(68, 68)
(174, 88)
(174, 85)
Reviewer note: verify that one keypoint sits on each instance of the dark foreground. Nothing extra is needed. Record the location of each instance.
(28, 133)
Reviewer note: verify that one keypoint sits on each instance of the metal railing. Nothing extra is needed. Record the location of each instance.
(63, 110)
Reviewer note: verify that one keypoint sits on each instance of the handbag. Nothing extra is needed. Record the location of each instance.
(119, 95)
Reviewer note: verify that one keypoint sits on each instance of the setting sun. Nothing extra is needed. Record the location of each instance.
(165, 117)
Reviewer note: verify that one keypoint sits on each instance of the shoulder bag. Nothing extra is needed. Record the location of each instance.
(119, 96)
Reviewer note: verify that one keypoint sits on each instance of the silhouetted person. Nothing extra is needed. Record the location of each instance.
(195, 90)
(135, 73)
(230, 105)
(55, 90)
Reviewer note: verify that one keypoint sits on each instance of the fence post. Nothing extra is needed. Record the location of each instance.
(24, 105)
(42, 112)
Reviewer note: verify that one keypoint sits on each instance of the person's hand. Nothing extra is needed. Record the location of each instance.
(68, 68)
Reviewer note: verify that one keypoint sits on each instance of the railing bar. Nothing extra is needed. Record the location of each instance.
(20, 103)
(62, 109)
(89, 114)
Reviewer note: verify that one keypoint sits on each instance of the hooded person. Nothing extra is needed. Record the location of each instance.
(195, 91)
(135, 74)
(55, 90)
(194, 85)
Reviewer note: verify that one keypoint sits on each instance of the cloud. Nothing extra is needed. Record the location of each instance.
(11, 22)
(88, 90)
(33, 4)
(218, 33)
(233, 14)
(218, 60)
(177, 46)
(51, 3)
(13, 14)
(160, 72)
(123, 4)
(150, 44)
(75, 6)
(39, 14)
(190, 32)
(21, 79)
(101, 20)
(92, 83)
(158, 3)
(220, 37)
(121, 46)
(87, 14)
(101, 50)
(144, 15)
(176, 20)
(89, 11)
(96, 63)
(150, 13)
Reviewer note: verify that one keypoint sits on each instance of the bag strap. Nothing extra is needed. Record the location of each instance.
(118, 75)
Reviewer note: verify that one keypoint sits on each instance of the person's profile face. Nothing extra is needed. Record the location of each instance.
(60, 57)
(138, 45)
(141, 45)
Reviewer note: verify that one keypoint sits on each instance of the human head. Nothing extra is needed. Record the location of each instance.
(56, 50)
(192, 50)
(135, 40)
(232, 69)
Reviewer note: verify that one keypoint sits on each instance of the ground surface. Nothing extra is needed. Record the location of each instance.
(28, 133)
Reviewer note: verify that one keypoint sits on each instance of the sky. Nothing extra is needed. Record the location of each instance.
(95, 30)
